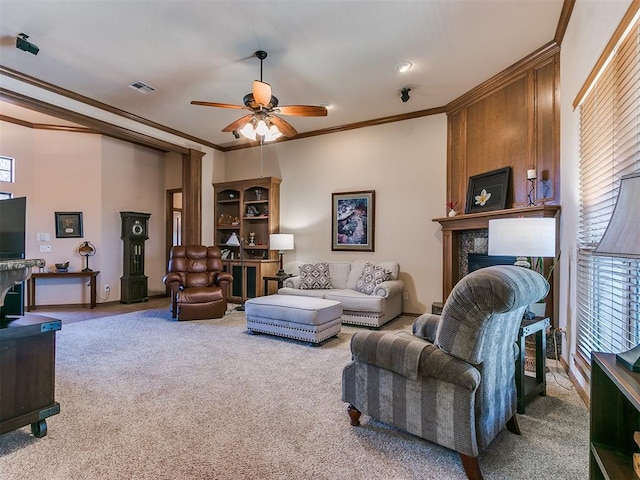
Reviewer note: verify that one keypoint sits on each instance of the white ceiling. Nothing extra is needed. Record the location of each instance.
(342, 52)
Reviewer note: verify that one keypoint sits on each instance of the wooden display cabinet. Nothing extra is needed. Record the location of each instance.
(615, 416)
(250, 209)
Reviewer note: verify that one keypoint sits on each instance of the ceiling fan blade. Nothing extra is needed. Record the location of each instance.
(285, 127)
(261, 93)
(238, 123)
(303, 110)
(214, 104)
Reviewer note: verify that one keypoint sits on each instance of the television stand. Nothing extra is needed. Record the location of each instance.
(27, 373)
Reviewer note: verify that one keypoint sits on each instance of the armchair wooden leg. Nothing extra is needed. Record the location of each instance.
(512, 425)
(471, 467)
(354, 414)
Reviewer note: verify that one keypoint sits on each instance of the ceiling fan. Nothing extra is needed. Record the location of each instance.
(263, 120)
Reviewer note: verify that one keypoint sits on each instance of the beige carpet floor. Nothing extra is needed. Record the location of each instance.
(144, 397)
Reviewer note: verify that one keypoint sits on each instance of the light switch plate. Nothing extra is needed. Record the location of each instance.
(44, 237)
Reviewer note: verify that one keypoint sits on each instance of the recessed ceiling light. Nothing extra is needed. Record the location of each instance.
(404, 66)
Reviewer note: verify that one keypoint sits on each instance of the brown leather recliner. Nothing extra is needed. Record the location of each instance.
(199, 287)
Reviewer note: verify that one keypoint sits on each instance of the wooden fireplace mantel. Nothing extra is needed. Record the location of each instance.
(453, 226)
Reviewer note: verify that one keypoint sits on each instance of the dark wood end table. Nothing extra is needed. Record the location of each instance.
(274, 278)
(529, 387)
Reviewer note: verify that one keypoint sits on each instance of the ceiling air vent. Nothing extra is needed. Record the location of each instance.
(142, 87)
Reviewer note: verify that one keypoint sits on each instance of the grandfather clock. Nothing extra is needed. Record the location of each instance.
(133, 283)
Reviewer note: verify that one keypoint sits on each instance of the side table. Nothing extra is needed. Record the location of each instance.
(528, 387)
(274, 278)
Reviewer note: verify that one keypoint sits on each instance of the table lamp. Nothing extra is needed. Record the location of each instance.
(87, 250)
(622, 239)
(523, 237)
(281, 242)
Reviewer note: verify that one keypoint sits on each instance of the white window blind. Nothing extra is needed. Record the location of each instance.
(608, 292)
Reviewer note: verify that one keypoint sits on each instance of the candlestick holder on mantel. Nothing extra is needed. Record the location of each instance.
(531, 178)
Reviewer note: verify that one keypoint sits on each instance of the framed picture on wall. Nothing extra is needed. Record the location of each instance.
(488, 191)
(352, 221)
(68, 224)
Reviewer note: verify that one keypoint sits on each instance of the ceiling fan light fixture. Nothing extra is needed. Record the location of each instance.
(272, 134)
(261, 128)
(404, 66)
(248, 131)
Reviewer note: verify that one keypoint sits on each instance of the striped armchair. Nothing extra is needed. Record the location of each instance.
(453, 381)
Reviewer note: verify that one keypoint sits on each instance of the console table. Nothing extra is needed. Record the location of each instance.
(31, 285)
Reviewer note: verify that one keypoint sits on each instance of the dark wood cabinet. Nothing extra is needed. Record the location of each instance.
(27, 373)
(615, 416)
(134, 283)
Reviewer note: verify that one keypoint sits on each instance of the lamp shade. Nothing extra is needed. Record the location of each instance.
(281, 241)
(622, 236)
(233, 240)
(523, 237)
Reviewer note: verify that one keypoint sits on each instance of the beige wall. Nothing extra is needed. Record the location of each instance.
(404, 162)
(591, 26)
(95, 175)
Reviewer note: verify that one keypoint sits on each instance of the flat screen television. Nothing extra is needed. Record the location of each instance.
(13, 214)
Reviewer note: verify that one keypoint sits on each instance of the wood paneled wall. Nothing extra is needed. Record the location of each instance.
(511, 120)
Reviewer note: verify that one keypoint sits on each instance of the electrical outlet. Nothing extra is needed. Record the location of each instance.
(45, 248)
(107, 287)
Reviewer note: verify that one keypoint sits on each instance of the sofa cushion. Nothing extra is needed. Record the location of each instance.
(357, 267)
(315, 276)
(339, 272)
(303, 293)
(372, 276)
(353, 301)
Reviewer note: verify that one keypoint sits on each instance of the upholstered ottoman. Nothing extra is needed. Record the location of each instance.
(302, 318)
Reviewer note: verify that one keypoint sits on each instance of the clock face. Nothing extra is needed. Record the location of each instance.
(137, 228)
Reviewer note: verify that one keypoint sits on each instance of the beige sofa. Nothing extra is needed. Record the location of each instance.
(370, 292)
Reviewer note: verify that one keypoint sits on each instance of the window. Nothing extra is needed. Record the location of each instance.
(7, 172)
(608, 288)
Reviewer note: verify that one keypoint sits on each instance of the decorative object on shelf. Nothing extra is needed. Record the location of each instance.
(62, 267)
(258, 194)
(281, 242)
(352, 222)
(252, 239)
(452, 208)
(620, 240)
(86, 250)
(225, 220)
(252, 211)
(68, 224)
(235, 241)
(523, 237)
(488, 191)
(531, 178)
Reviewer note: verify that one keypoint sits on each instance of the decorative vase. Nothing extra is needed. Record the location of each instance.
(452, 213)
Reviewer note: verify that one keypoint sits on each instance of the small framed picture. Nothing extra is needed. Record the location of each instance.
(68, 224)
(488, 191)
(352, 224)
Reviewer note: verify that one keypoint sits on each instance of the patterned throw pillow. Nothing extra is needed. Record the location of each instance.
(372, 276)
(315, 276)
